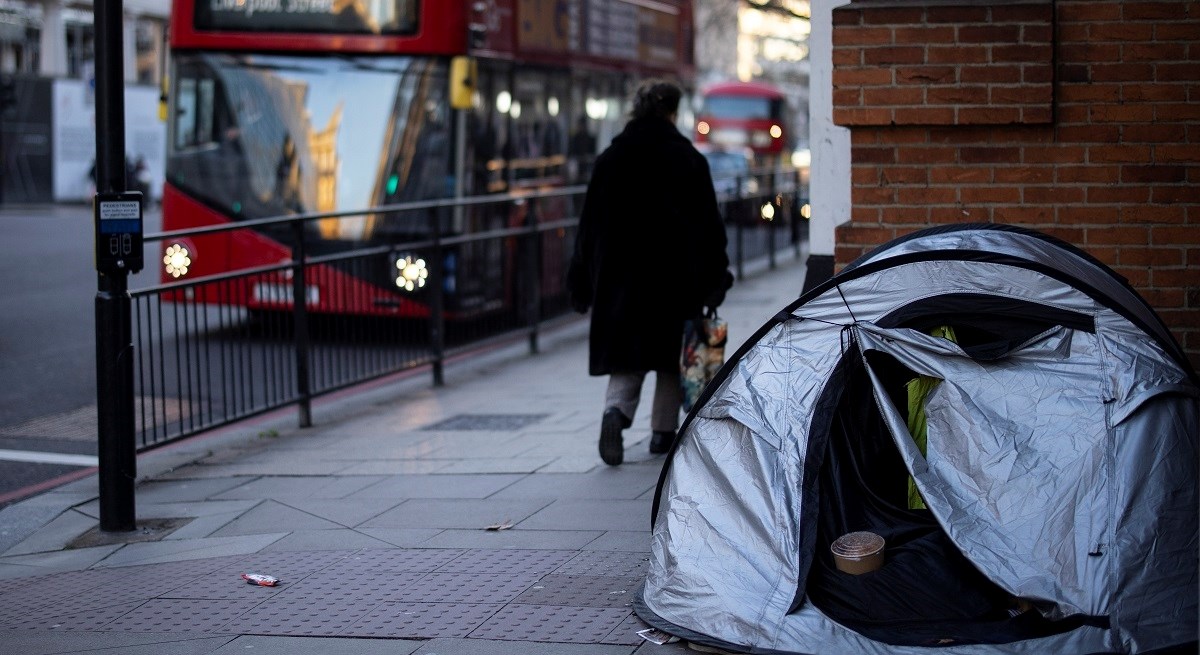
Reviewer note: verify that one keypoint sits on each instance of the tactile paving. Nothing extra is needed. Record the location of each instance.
(626, 633)
(90, 619)
(605, 562)
(71, 592)
(47, 590)
(13, 585)
(518, 594)
(467, 588)
(490, 422)
(329, 588)
(508, 562)
(581, 591)
(371, 561)
(423, 621)
(546, 623)
(223, 585)
(181, 615)
(141, 586)
(298, 616)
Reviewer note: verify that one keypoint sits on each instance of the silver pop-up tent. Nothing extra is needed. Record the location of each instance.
(1003, 409)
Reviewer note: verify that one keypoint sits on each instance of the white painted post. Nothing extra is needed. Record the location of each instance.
(830, 177)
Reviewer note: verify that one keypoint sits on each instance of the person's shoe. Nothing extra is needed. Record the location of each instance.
(612, 447)
(661, 440)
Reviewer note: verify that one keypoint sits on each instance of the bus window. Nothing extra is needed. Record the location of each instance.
(538, 134)
(194, 113)
(740, 107)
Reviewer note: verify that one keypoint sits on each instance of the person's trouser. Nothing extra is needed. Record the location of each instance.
(625, 389)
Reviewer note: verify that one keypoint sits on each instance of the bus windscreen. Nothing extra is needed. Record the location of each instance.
(265, 135)
(739, 107)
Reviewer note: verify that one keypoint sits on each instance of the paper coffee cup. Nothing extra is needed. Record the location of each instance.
(858, 552)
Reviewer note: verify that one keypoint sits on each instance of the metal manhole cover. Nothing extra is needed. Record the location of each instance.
(491, 422)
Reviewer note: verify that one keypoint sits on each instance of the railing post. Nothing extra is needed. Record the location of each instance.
(437, 301)
(738, 238)
(795, 215)
(771, 234)
(532, 274)
(300, 321)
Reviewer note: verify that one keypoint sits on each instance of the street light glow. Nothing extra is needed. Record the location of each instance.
(176, 260)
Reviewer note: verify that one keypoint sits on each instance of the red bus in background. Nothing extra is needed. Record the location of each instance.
(281, 107)
(735, 115)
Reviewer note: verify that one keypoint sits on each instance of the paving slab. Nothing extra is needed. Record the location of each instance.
(56, 534)
(463, 513)
(438, 486)
(591, 514)
(290, 487)
(18, 522)
(54, 562)
(347, 514)
(180, 490)
(617, 483)
(498, 464)
(384, 467)
(403, 537)
(271, 516)
(515, 539)
(172, 551)
(634, 541)
(305, 540)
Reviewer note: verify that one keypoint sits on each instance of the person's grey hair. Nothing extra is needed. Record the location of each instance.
(656, 97)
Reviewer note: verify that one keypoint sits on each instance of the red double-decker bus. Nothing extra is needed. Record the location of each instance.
(283, 107)
(737, 115)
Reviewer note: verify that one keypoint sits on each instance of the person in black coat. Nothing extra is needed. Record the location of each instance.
(649, 255)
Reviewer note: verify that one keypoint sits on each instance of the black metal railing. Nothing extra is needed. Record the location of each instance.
(222, 348)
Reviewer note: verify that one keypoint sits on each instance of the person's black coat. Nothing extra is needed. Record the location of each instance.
(650, 252)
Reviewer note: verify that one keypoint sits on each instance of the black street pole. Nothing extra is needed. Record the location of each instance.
(114, 341)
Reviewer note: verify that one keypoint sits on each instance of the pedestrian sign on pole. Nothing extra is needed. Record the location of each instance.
(119, 232)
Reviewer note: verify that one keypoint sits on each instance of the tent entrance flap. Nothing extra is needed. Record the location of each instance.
(927, 593)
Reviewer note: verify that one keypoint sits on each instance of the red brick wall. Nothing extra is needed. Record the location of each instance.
(1079, 118)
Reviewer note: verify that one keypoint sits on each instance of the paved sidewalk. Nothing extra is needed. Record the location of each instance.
(475, 518)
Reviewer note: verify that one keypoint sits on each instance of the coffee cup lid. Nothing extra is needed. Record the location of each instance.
(857, 544)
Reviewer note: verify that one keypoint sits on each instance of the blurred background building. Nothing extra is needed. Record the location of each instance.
(55, 39)
(47, 112)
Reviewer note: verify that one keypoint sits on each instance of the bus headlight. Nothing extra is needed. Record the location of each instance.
(176, 260)
(411, 273)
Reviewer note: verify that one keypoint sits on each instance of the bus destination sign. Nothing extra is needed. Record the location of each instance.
(322, 16)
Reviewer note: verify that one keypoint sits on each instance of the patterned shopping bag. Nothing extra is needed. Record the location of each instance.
(703, 353)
